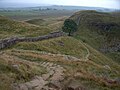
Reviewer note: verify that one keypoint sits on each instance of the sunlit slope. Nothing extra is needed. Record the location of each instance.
(91, 67)
(68, 46)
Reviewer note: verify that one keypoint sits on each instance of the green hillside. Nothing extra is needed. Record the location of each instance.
(10, 28)
(59, 63)
(99, 30)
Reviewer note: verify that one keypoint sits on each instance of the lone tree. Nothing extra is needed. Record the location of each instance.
(69, 26)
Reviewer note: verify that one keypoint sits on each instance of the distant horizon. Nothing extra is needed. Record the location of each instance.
(110, 4)
(38, 5)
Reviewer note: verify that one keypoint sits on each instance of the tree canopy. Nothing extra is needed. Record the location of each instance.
(69, 26)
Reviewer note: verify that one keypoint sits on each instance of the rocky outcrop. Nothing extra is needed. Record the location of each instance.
(104, 26)
(5, 43)
(113, 46)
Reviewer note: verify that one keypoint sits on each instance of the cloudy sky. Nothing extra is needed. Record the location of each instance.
(93, 3)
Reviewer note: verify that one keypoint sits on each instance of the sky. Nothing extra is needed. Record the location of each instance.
(93, 3)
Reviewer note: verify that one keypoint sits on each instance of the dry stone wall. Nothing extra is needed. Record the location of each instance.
(5, 43)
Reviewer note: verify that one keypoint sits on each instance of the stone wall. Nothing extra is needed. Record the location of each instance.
(5, 43)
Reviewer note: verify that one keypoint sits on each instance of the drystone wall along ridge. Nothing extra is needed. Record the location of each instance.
(12, 41)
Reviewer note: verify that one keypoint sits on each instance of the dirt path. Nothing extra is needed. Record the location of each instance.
(45, 54)
(88, 53)
(86, 58)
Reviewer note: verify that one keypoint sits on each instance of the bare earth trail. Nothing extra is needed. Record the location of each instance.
(88, 54)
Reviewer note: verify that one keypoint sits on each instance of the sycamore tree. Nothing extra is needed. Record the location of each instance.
(69, 26)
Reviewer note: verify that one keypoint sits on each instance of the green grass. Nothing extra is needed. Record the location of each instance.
(115, 56)
(70, 46)
(91, 38)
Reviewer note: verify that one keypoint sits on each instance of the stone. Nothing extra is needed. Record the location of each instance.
(15, 67)
(45, 76)
(75, 85)
(23, 87)
(107, 67)
(51, 72)
(15, 86)
(55, 84)
(50, 64)
(43, 63)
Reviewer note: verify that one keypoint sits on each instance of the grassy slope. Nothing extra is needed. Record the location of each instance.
(27, 70)
(54, 46)
(70, 46)
(95, 35)
(52, 23)
(92, 70)
(8, 75)
(9, 28)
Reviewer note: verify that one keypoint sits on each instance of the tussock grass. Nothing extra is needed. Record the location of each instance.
(93, 71)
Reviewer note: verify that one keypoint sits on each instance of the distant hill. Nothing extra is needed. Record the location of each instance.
(55, 7)
(100, 30)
